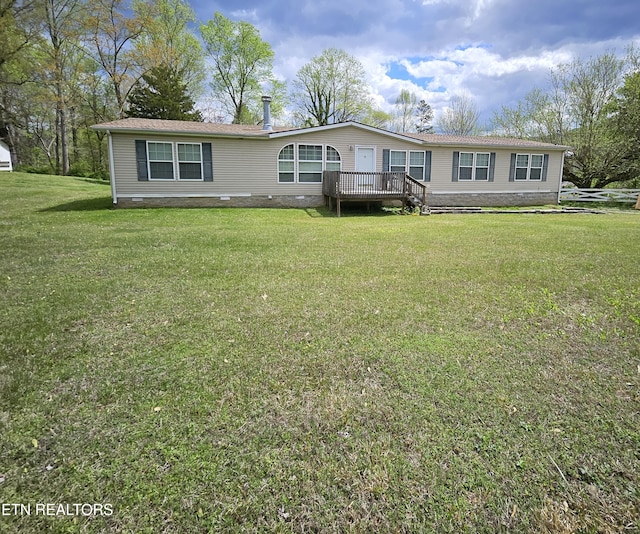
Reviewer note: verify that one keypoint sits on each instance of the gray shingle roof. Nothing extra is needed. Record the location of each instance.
(485, 140)
(135, 125)
(181, 127)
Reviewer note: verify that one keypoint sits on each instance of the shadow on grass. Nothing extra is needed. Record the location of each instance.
(351, 209)
(85, 204)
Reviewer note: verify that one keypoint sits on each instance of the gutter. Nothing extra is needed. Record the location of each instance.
(561, 176)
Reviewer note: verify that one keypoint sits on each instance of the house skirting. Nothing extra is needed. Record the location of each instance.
(536, 198)
(307, 201)
(231, 201)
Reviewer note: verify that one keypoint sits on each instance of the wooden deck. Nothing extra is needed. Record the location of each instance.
(372, 187)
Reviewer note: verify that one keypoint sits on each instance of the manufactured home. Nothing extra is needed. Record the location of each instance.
(175, 163)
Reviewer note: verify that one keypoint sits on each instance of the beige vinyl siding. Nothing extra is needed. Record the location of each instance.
(442, 165)
(249, 166)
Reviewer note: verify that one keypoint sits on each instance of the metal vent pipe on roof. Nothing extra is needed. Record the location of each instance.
(266, 106)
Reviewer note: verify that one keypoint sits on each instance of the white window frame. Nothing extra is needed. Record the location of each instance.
(529, 168)
(150, 161)
(407, 162)
(296, 162)
(178, 162)
(424, 163)
(328, 161)
(391, 165)
(293, 170)
(474, 167)
(314, 161)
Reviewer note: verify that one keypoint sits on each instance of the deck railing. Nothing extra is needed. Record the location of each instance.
(372, 186)
(599, 195)
(351, 184)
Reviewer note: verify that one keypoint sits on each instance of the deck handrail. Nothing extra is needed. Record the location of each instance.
(410, 184)
(356, 185)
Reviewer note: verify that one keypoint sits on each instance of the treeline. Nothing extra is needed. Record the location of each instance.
(68, 64)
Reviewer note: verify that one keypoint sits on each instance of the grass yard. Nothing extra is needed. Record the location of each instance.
(258, 370)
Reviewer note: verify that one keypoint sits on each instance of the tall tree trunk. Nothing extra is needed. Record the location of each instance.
(62, 138)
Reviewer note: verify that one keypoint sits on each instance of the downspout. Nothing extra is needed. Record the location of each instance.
(112, 170)
(561, 175)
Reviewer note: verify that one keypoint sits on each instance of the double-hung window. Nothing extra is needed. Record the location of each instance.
(189, 161)
(529, 167)
(473, 166)
(398, 161)
(416, 164)
(163, 160)
(160, 160)
(482, 166)
(310, 163)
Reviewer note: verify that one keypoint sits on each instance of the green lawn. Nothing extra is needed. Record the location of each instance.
(285, 370)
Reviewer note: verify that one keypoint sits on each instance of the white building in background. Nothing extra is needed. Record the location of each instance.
(5, 157)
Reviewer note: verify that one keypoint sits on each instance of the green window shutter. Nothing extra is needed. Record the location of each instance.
(427, 165)
(207, 162)
(455, 169)
(141, 159)
(492, 166)
(545, 166)
(512, 168)
(385, 159)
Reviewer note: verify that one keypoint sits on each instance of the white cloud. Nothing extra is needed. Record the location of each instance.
(498, 50)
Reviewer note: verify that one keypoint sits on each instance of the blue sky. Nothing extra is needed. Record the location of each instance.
(496, 50)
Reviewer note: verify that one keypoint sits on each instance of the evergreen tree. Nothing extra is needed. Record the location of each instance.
(424, 116)
(163, 95)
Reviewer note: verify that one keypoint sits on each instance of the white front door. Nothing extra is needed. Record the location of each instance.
(365, 162)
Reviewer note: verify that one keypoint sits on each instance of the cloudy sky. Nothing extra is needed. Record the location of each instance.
(496, 50)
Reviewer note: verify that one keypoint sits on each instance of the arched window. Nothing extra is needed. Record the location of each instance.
(333, 159)
(286, 165)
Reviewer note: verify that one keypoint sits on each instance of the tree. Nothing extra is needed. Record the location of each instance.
(167, 41)
(461, 117)
(163, 95)
(625, 129)
(588, 87)
(332, 88)
(111, 29)
(424, 116)
(61, 25)
(242, 61)
(405, 107)
(575, 111)
(20, 27)
(377, 118)
(532, 118)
